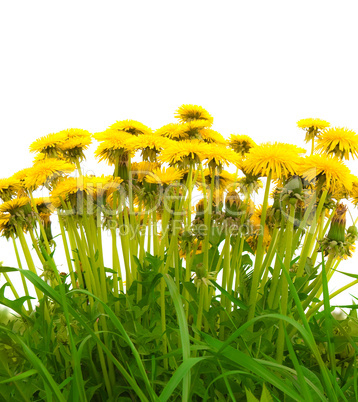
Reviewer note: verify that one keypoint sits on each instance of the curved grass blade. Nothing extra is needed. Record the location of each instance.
(21, 376)
(226, 374)
(327, 378)
(126, 337)
(301, 378)
(39, 366)
(178, 376)
(251, 364)
(234, 300)
(184, 332)
(49, 291)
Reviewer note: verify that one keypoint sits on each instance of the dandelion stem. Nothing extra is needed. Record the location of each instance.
(259, 253)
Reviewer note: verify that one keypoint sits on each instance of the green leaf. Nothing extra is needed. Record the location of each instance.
(38, 365)
(248, 248)
(178, 375)
(246, 260)
(233, 299)
(243, 360)
(110, 270)
(217, 235)
(250, 396)
(7, 269)
(15, 305)
(154, 261)
(265, 396)
(19, 376)
(184, 332)
(346, 273)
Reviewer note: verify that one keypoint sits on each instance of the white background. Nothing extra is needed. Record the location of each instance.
(256, 66)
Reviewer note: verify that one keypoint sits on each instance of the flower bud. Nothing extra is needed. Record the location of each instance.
(338, 224)
(232, 203)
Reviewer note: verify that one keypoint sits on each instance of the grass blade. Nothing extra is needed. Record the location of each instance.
(178, 376)
(184, 332)
(249, 363)
(19, 376)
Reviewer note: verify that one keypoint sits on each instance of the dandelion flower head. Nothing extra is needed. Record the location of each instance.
(340, 142)
(187, 113)
(131, 126)
(164, 175)
(330, 171)
(241, 143)
(46, 171)
(48, 144)
(278, 158)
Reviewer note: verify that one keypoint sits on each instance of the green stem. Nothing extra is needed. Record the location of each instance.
(259, 253)
(199, 318)
(318, 282)
(310, 237)
(67, 252)
(225, 278)
(331, 296)
(23, 280)
(28, 258)
(284, 289)
(78, 165)
(42, 229)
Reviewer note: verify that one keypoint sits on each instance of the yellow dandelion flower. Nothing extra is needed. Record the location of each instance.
(4, 218)
(249, 183)
(72, 189)
(115, 147)
(6, 228)
(340, 142)
(317, 124)
(342, 192)
(44, 205)
(103, 186)
(240, 143)
(212, 136)
(279, 159)
(329, 171)
(48, 144)
(217, 156)
(183, 251)
(312, 127)
(140, 169)
(187, 113)
(46, 171)
(256, 229)
(110, 134)
(354, 193)
(74, 143)
(21, 174)
(13, 206)
(164, 175)
(73, 148)
(225, 179)
(149, 144)
(183, 153)
(40, 157)
(173, 131)
(9, 187)
(45, 220)
(75, 133)
(193, 128)
(131, 126)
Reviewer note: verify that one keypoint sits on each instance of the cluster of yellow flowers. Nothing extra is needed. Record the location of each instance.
(176, 152)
